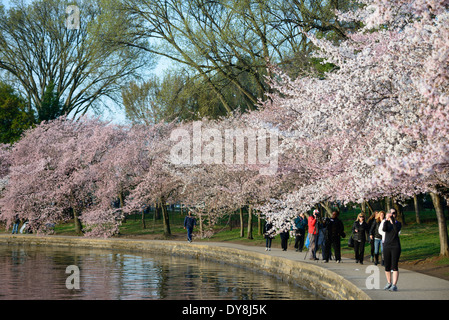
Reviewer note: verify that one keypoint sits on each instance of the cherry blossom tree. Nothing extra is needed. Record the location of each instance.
(155, 183)
(375, 125)
(95, 145)
(53, 174)
(33, 187)
(208, 184)
(117, 173)
(233, 166)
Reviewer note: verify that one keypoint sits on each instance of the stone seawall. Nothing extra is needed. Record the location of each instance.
(317, 279)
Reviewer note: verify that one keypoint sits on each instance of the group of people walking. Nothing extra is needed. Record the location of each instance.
(372, 230)
(381, 230)
(324, 234)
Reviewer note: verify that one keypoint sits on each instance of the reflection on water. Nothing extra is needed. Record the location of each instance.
(40, 273)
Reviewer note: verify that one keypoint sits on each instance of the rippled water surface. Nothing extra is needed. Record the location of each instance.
(29, 272)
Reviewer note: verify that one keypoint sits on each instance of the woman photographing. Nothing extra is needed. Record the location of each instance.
(392, 250)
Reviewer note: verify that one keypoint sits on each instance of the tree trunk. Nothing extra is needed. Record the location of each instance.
(442, 227)
(230, 221)
(165, 218)
(415, 202)
(242, 232)
(363, 207)
(78, 225)
(250, 222)
(387, 204)
(259, 224)
(370, 209)
(143, 219)
(399, 211)
(157, 211)
(200, 218)
(120, 197)
(327, 208)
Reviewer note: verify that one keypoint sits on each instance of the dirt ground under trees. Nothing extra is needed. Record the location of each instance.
(430, 266)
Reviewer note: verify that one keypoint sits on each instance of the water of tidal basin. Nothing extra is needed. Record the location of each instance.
(30, 272)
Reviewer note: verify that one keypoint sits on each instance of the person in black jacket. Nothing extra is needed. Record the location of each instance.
(189, 223)
(370, 221)
(268, 233)
(335, 230)
(284, 237)
(392, 249)
(359, 230)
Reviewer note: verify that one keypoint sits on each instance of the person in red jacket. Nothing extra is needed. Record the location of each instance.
(313, 233)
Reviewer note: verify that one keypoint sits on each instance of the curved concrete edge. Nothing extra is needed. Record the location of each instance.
(317, 279)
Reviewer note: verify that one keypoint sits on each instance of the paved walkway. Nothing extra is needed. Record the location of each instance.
(411, 285)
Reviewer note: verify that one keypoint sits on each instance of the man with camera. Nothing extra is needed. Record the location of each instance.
(335, 231)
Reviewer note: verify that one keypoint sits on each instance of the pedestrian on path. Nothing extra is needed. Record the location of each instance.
(370, 223)
(300, 231)
(313, 233)
(189, 223)
(382, 233)
(268, 233)
(321, 242)
(375, 236)
(285, 235)
(15, 227)
(359, 230)
(335, 231)
(392, 250)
